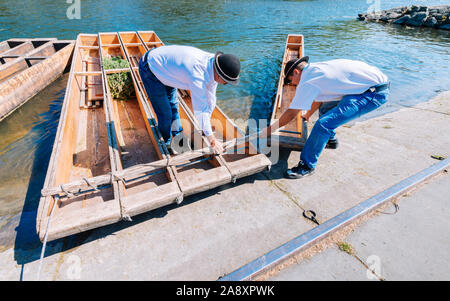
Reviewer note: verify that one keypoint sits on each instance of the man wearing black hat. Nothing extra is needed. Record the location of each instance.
(359, 88)
(165, 69)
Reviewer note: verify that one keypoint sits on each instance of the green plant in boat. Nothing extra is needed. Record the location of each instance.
(120, 84)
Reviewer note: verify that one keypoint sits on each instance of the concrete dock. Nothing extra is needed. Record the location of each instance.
(410, 244)
(214, 233)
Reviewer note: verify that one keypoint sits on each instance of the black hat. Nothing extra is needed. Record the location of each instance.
(290, 65)
(228, 67)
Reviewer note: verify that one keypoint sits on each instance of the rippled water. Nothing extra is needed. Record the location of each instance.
(416, 60)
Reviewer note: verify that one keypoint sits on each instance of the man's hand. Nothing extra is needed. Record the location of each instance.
(306, 116)
(215, 144)
(315, 105)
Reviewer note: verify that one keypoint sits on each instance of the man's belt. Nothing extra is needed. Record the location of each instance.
(378, 88)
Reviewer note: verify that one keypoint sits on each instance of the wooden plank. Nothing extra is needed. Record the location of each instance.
(19, 50)
(112, 71)
(87, 73)
(83, 85)
(88, 47)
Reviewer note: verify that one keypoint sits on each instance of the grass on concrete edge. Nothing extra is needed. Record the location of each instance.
(346, 247)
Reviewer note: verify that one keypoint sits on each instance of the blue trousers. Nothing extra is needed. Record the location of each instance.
(164, 102)
(349, 108)
(325, 107)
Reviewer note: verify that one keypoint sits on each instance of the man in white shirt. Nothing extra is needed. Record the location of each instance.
(165, 69)
(359, 88)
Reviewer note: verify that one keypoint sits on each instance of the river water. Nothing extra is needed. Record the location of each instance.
(416, 60)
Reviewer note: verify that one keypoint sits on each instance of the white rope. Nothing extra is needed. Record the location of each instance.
(46, 236)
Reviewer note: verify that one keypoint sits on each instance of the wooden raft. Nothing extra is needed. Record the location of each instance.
(27, 66)
(294, 134)
(109, 161)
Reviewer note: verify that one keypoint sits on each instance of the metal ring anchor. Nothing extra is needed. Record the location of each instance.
(311, 215)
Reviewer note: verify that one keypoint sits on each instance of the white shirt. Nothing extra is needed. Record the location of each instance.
(188, 68)
(331, 80)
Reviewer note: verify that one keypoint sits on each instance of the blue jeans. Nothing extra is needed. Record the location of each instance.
(164, 101)
(325, 107)
(349, 108)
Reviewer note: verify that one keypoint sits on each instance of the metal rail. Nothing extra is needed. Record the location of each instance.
(305, 240)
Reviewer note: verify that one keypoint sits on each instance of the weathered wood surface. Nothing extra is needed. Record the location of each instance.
(80, 150)
(20, 47)
(19, 88)
(15, 59)
(133, 172)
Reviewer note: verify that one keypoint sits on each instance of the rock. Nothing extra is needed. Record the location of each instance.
(373, 17)
(392, 15)
(417, 19)
(442, 19)
(385, 16)
(430, 22)
(440, 9)
(414, 8)
(418, 8)
(433, 16)
(398, 10)
(402, 20)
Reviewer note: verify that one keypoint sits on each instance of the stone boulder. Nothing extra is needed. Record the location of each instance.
(402, 20)
(416, 16)
(417, 19)
(430, 22)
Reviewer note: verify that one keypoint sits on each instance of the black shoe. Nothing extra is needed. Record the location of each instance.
(299, 171)
(332, 143)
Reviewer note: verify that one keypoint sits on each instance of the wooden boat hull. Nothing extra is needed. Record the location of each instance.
(294, 134)
(30, 71)
(14, 48)
(127, 139)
